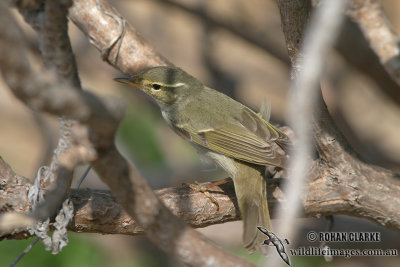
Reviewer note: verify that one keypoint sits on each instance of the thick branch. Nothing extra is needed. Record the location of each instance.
(97, 211)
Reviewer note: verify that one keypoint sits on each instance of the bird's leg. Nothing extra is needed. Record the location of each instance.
(204, 188)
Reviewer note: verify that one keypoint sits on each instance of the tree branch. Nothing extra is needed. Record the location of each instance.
(97, 211)
(95, 143)
(369, 15)
(339, 178)
(104, 31)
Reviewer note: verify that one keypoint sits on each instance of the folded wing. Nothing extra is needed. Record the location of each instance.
(248, 137)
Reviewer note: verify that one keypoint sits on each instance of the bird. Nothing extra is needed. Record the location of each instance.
(222, 129)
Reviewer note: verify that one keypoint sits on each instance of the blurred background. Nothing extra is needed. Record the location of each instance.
(238, 48)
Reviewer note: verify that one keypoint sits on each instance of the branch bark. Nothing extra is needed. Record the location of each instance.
(97, 211)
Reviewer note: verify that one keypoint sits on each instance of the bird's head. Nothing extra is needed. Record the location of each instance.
(164, 84)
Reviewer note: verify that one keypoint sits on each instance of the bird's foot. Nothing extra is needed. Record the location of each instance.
(205, 187)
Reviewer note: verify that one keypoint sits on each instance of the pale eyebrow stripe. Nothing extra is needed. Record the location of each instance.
(166, 84)
(175, 84)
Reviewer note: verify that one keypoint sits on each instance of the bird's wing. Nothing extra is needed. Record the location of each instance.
(248, 138)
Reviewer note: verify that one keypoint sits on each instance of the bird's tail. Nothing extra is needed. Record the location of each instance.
(251, 192)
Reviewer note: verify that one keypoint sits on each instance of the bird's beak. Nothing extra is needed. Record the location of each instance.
(131, 81)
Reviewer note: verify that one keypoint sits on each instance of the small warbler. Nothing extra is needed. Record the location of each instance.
(220, 128)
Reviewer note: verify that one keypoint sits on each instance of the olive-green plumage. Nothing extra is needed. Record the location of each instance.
(222, 129)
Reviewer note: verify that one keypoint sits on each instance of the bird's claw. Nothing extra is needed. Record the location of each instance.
(203, 188)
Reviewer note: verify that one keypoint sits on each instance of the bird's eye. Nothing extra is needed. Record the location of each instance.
(156, 86)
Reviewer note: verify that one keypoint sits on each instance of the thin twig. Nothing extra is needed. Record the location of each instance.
(26, 251)
(83, 176)
(31, 245)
